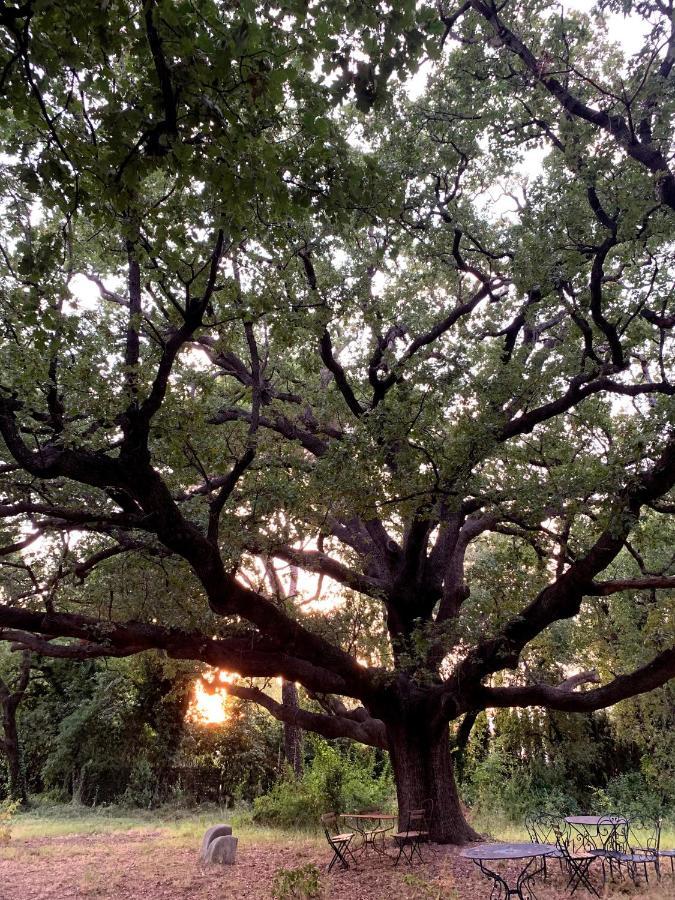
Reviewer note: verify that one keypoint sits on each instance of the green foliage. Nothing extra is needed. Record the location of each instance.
(7, 810)
(142, 788)
(524, 761)
(334, 781)
(237, 761)
(102, 733)
(502, 785)
(631, 794)
(95, 745)
(303, 883)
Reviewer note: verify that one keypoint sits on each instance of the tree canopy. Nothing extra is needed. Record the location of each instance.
(263, 298)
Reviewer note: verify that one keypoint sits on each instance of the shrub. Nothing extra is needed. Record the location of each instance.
(7, 810)
(502, 785)
(334, 781)
(628, 794)
(303, 883)
(290, 804)
(142, 788)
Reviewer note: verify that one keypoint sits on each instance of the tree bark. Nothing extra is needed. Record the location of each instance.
(423, 771)
(292, 733)
(10, 745)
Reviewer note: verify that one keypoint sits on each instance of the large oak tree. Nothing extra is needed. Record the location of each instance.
(333, 325)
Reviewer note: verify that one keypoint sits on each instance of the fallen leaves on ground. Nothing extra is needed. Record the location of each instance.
(156, 865)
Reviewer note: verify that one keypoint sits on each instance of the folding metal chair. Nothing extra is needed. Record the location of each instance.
(578, 863)
(410, 838)
(338, 842)
(428, 809)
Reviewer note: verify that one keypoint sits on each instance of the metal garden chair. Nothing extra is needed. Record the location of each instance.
(541, 829)
(643, 837)
(409, 840)
(667, 854)
(428, 808)
(612, 839)
(578, 862)
(339, 842)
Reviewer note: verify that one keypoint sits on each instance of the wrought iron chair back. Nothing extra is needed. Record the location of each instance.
(613, 834)
(644, 835)
(541, 827)
(428, 809)
(643, 838)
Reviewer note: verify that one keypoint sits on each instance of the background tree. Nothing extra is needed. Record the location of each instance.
(335, 340)
(12, 691)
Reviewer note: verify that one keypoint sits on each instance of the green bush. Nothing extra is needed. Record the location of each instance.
(142, 788)
(290, 804)
(303, 883)
(629, 794)
(7, 810)
(334, 781)
(501, 784)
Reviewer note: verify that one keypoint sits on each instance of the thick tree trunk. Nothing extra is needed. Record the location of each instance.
(10, 744)
(423, 771)
(292, 734)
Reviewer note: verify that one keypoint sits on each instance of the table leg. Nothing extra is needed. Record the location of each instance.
(534, 867)
(523, 889)
(500, 887)
(359, 832)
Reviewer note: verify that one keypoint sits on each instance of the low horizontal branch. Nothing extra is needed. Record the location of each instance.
(648, 677)
(249, 655)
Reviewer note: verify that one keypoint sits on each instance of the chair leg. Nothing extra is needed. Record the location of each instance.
(338, 854)
(580, 876)
(351, 853)
(413, 847)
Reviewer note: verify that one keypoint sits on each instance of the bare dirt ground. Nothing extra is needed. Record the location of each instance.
(157, 865)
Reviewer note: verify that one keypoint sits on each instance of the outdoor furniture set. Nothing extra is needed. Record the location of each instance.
(369, 832)
(575, 842)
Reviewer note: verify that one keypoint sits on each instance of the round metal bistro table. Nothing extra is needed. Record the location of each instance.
(363, 824)
(595, 832)
(532, 854)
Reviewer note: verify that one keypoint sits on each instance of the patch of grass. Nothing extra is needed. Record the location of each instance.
(499, 828)
(179, 826)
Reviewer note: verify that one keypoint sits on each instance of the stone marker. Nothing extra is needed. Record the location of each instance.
(222, 850)
(212, 833)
